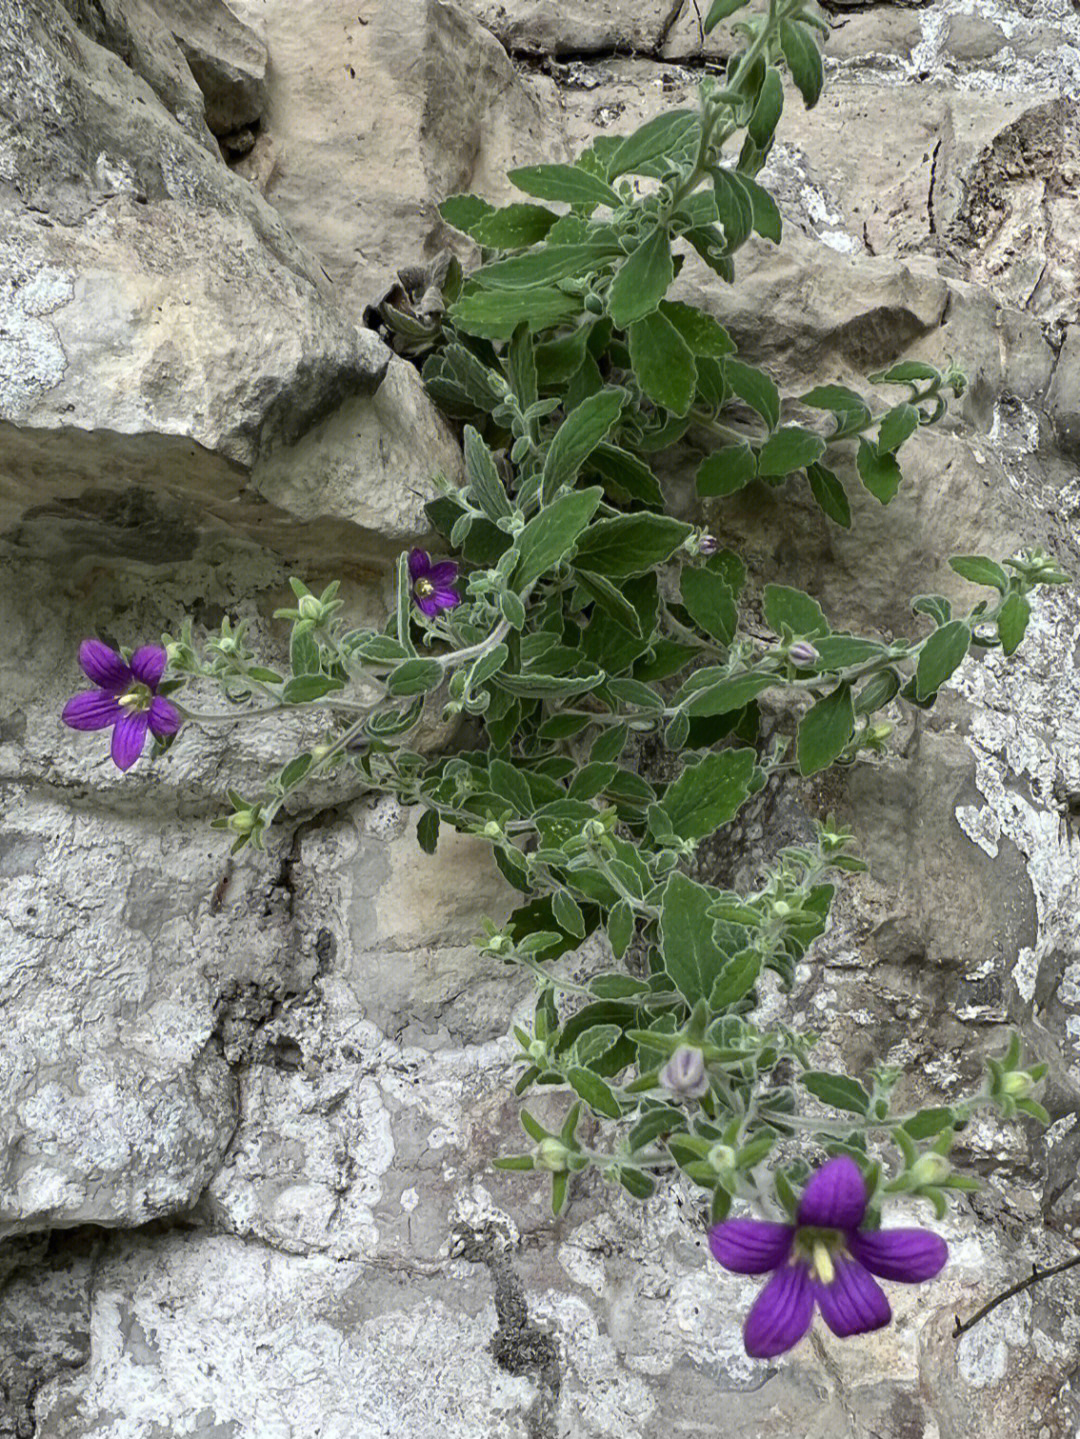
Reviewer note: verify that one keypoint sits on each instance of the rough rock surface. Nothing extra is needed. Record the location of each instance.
(247, 1111)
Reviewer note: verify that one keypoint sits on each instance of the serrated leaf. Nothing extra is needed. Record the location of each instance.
(803, 58)
(642, 281)
(1013, 622)
(577, 437)
(733, 209)
(710, 602)
(705, 336)
(726, 470)
(512, 227)
(896, 426)
(496, 314)
(545, 265)
(550, 535)
(592, 1089)
(830, 494)
(465, 211)
(824, 730)
(629, 544)
(427, 831)
(565, 182)
(980, 571)
(836, 1090)
(692, 958)
(663, 363)
(940, 656)
(709, 794)
(755, 389)
(415, 677)
(802, 615)
(879, 473)
(487, 487)
(736, 979)
(305, 688)
(790, 448)
(654, 140)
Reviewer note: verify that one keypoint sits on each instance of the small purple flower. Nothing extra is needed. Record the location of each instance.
(431, 583)
(825, 1258)
(802, 654)
(684, 1074)
(127, 699)
(708, 544)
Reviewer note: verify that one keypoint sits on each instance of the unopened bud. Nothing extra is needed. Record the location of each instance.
(930, 1169)
(593, 829)
(684, 1074)
(538, 1051)
(310, 608)
(552, 1154)
(722, 1158)
(243, 822)
(1018, 1084)
(708, 545)
(802, 654)
(492, 830)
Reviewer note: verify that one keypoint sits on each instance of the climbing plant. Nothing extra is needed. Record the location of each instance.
(594, 654)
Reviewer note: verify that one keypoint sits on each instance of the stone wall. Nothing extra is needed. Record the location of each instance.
(247, 1111)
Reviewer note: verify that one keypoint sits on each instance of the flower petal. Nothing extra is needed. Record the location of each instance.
(164, 717)
(447, 599)
(781, 1314)
(148, 664)
(750, 1246)
(128, 739)
(853, 1302)
(836, 1196)
(93, 709)
(103, 665)
(419, 563)
(443, 574)
(428, 603)
(909, 1255)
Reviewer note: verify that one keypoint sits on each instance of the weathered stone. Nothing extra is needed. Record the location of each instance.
(578, 27)
(885, 30)
(970, 38)
(227, 60)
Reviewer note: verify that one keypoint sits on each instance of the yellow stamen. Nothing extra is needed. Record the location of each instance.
(823, 1264)
(424, 588)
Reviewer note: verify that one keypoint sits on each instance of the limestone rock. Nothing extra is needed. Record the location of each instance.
(579, 27)
(226, 59)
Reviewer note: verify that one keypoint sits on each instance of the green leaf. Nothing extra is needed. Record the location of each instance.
(824, 730)
(879, 473)
(905, 373)
(265, 676)
(738, 977)
(427, 831)
(711, 603)
(566, 183)
(513, 611)
(830, 494)
(980, 571)
(415, 677)
(789, 449)
(487, 487)
(557, 361)
(592, 1089)
(896, 426)
(720, 10)
(803, 58)
(838, 651)
(691, 956)
(568, 913)
(877, 692)
(642, 282)
(663, 363)
(627, 477)
(836, 1090)
(850, 410)
(801, 614)
(705, 336)
(611, 600)
(295, 771)
(303, 652)
(755, 389)
(1012, 622)
(521, 366)
(726, 470)
(630, 544)
(941, 655)
(699, 696)
(540, 686)
(550, 535)
(733, 208)
(496, 314)
(486, 666)
(305, 688)
(463, 212)
(545, 265)
(765, 214)
(620, 927)
(766, 113)
(560, 1184)
(936, 606)
(709, 794)
(577, 437)
(656, 139)
(513, 227)
(636, 1182)
(929, 1122)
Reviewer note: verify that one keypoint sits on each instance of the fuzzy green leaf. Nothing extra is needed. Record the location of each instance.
(709, 794)
(940, 656)
(663, 363)
(549, 536)
(824, 730)
(642, 281)
(565, 182)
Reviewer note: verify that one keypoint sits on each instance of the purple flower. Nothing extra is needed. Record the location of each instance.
(127, 699)
(431, 583)
(684, 1074)
(824, 1258)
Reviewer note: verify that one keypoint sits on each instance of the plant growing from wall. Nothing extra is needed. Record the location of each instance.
(582, 622)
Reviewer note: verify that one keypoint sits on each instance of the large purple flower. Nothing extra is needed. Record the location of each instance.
(431, 583)
(127, 699)
(824, 1258)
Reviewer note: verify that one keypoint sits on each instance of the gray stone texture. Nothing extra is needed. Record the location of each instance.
(248, 1109)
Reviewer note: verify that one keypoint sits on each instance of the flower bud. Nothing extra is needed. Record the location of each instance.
(552, 1154)
(1018, 1084)
(243, 821)
(802, 654)
(321, 751)
(708, 544)
(310, 608)
(593, 829)
(538, 1051)
(492, 830)
(722, 1158)
(930, 1169)
(684, 1074)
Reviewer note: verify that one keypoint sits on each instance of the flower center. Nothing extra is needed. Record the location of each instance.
(135, 698)
(819, 1247)
(424, 588)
